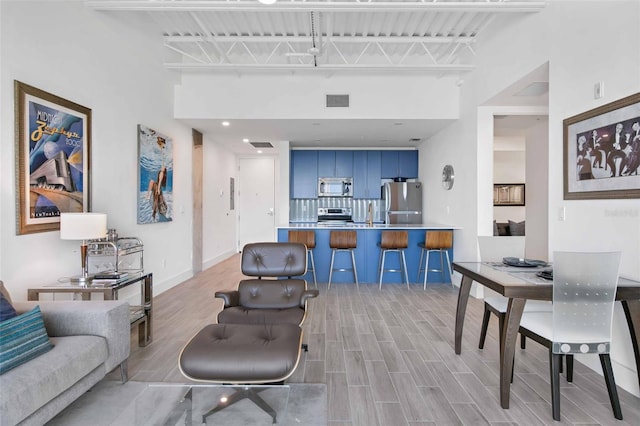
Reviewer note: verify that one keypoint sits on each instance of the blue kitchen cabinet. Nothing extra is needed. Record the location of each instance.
(303, 179)
(408, 164)
(399, 164)
(366, 174)
(335, 163)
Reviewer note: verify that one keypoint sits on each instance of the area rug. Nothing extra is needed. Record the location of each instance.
(111, 403)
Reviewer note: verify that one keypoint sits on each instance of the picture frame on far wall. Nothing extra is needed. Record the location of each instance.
(508, 194)
(602, 152)
(53, 158)
(155, 176)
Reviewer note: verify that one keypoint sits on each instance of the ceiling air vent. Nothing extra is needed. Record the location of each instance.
(339, 101)
(261, 144)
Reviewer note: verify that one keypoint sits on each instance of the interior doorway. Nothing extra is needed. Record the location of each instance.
(256, 200)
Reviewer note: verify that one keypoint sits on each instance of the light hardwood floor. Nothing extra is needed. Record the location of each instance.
(387, 357)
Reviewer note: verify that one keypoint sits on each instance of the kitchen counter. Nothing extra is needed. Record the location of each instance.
(367, 253)
(383, 226)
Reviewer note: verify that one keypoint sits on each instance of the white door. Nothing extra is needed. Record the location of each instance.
(256, 200)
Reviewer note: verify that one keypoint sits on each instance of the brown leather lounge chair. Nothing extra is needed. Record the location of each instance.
(268, 301)
(258, 338)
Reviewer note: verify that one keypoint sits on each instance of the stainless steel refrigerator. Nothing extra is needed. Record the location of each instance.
(402, 202)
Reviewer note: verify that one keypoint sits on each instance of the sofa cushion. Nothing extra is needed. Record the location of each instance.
(516, 228)
(42, 379)
(22, 338)
(6, 309)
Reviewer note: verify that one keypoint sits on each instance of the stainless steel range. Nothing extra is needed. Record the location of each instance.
(335, 215)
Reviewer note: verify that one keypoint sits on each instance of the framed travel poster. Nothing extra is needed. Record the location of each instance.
(53, 159)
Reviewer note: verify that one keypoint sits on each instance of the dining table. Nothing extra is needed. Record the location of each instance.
(518, 285)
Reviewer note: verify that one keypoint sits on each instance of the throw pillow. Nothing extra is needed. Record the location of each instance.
(516, 228)
(495, 229)
(22, 338)
(6, 309)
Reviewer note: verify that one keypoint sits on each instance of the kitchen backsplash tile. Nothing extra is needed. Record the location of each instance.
(306, 210)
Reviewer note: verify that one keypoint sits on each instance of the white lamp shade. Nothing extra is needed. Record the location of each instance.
(83, 226)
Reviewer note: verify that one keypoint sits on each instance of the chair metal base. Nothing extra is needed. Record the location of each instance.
(313, 266)
(402, 270)
(353, 266)
(240, 394)
(426, 264)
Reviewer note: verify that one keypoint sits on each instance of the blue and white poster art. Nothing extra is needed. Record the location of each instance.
(53, 158)
(155, 176)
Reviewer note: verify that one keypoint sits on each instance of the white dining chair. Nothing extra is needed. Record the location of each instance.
(584, 290)
(493, 249)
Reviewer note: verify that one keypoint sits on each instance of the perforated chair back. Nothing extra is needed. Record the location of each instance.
(493, 249)
(584, 290)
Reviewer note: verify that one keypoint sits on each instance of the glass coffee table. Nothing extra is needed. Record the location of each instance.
(194, 404)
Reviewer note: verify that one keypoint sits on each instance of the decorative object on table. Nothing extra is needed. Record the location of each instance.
(448, 177)
(85, 227)
(155, 176)
(523, 263)
(53, 147)
(602, 151)
(117, 257)
(508, 194)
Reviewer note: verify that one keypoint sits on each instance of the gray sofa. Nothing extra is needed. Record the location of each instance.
(91, 338)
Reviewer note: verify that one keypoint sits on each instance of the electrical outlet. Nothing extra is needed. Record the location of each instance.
(164, 263)
(598, 90)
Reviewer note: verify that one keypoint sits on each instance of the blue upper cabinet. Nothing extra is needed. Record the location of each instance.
(335, 164)
(399, 164)
(408, 164)
(366, 174)
(303, 179)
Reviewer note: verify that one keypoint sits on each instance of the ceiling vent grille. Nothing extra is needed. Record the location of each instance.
(337, 101)
(261, 144)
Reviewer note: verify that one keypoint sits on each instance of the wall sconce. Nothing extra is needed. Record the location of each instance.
(83, 226)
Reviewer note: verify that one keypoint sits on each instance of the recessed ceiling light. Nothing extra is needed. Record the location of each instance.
(245, 140)
(259, 151)
(226, 123)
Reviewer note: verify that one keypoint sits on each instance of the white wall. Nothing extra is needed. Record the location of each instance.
(560, 35)
(114, 68)
(219, 221)
(537, 190)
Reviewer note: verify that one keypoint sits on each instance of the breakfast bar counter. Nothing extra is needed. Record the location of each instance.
(367, 253)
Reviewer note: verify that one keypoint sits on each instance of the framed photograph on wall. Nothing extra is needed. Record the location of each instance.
(508, 194)
(602, 152)
(155, 176)
(53, 159)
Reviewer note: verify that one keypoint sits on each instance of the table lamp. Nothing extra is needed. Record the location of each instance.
(83, 226)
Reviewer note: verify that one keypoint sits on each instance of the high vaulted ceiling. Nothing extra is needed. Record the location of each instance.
(437, 36)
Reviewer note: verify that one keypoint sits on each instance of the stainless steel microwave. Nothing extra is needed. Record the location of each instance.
(335, 187)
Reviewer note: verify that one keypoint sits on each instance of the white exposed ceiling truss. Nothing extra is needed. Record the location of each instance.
(349, 35)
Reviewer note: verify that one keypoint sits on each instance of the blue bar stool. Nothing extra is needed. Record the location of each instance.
(393, 241)
(439, 242)
(343, 241)
(308, 238)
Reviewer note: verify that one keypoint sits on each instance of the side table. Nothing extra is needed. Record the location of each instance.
(140, 315)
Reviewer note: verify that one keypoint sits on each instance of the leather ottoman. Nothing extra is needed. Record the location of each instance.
(242, 354)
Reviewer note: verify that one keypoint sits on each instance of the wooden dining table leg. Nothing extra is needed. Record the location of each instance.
(508, 347)
(632, 313)
(463, 297)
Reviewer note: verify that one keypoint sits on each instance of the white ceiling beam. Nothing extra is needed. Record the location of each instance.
(490, 6)
(333, 67)
(345, 39)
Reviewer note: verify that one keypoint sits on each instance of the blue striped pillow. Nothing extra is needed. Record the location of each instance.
(22, 338)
